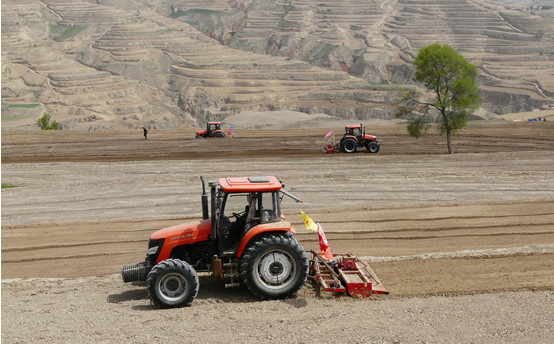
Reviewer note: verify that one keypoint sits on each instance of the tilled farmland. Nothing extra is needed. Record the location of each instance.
(464, 242)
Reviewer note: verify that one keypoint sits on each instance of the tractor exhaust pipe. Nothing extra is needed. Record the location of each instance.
(205, 214)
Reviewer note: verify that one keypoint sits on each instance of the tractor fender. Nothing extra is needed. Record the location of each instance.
(282, 226)
(350, 137)
(182, 234)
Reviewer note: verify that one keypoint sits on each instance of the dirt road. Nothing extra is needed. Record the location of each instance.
(480, 222)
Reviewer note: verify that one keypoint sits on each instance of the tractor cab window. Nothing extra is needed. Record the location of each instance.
(270, 210)
(350, 131)
(214, 127)
(353, 131)
(245, 210)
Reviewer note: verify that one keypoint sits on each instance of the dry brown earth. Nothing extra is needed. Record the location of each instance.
(465, 243)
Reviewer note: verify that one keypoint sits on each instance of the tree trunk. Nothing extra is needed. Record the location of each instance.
(449, 140)
(448, 131)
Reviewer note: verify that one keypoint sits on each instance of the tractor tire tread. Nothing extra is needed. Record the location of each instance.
(175, 265)
(258, 246)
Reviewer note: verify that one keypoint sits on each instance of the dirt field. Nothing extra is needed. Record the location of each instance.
(464, 242)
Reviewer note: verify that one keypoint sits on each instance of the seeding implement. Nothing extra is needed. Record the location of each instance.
(345, 274)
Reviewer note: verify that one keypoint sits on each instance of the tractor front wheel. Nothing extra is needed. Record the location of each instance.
(172, 283)
(372, 147)
(274, 266)
(350, 146)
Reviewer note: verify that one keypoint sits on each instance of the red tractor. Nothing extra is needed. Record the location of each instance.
(213, 129)
(245, 240)
(355, 137)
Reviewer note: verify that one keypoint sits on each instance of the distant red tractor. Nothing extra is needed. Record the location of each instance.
(355, 137)
(213, 129)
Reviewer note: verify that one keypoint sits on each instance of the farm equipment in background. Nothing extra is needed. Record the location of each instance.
(355, 137)
(244, 239)
(213, 129)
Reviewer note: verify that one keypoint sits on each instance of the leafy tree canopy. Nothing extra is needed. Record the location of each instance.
(452, 92)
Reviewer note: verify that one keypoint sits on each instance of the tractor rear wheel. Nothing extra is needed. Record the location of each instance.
(222, 135)
(350, 146)
(172, 283)
(274, 266)
(372, 147)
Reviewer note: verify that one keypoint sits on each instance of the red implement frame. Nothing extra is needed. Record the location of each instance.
(331, 148)
(345, 274)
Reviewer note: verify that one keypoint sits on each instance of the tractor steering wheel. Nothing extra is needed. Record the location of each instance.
(238, 215)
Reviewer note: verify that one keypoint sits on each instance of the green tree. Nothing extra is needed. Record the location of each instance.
(45, 124)
(452, 93)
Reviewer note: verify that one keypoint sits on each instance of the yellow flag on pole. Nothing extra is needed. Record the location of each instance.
(308, 222)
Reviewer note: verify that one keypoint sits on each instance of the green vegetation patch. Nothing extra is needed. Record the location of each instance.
(26, 106)
(45, 123)
(8, 186)
(63, 32)
(195, 11)
(287, 24)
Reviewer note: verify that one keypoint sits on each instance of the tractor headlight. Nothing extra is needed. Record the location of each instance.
(152, 250)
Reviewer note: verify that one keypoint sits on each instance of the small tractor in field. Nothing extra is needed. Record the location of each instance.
(355, 137)
(213, 129)
(244, 239)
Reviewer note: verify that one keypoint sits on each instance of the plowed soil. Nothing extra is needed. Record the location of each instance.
(463, 242)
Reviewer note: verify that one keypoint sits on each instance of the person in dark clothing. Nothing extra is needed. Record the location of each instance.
(145, 133)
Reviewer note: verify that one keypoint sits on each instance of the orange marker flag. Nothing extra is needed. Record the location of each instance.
(324, 244)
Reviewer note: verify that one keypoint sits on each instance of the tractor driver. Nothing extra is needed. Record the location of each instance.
(244, 220)
(251, 219)
(254, 214)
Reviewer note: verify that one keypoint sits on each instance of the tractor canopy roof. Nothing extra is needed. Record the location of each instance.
(250, 184)
(356, 126)
(214, 123)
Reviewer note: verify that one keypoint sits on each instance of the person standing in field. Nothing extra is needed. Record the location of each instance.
(145, 133)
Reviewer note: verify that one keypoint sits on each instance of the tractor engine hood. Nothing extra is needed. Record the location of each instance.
(370, 137)
(182, 234)
(185, 231)
(201, 132)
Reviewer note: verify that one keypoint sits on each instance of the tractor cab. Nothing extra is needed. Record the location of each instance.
(353, 130)
(243, 204)
(213, 129)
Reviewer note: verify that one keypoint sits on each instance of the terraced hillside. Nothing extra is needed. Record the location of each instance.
(93, 66)
(129, 63)
(517, 66)
(40, 42)
(376, 39)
